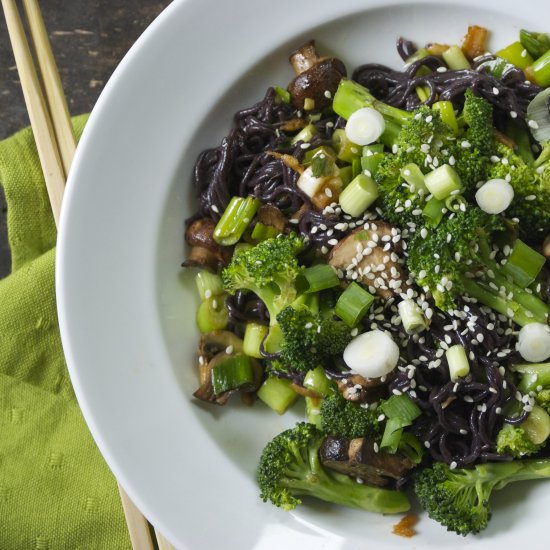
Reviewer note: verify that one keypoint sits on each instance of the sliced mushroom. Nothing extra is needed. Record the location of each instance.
(212, 343)
(358, 458)
(317, 78)
(362, 252)
(205, 252)
(358, 389)
(272, 216)
(206, 390)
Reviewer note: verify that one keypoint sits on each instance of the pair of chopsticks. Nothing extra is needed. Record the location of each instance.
(56, 144)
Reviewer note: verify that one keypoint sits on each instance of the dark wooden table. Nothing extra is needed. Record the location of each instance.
(89, 38)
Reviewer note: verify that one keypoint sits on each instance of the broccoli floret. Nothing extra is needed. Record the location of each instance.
(309, 339)
(340, 417)
(543, 399)
(438, 255)
(459, 498)
(531, 192)
(445, 258)
(268, 269)
(514, 441)
(290, 468)
(478, 115)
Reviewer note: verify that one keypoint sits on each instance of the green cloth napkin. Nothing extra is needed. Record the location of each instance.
(55, 489)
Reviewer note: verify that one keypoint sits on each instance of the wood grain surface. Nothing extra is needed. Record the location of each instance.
(89, 38)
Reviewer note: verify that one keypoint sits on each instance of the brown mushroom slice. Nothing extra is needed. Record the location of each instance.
(362, 252)
(212, 343)
(206, 390)
(358, 389)
(317, 78)
(359, 458)
(205, 252)
(269, 214)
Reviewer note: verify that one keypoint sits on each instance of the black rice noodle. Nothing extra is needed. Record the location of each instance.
(462, 419)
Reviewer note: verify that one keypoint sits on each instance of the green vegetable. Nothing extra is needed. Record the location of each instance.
(234, 372)
(208, 284)
(290, 468)
(212, 314)
(455, 59)
(309, 339)
(353, 304)
(459, 499)
(359, 194)
(535, 377)
(514, 441)
(316, 278)
(343, 418)
(524, 263)
(277, 394)
(235, 219)
(316, 380)
(457, 360)
(268, 269)
(517, 54)
(536, 43)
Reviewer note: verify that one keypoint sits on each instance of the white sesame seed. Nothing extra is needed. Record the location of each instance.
(327, 94)
(533, 124)
(465, 144)
(229, 350)
(513, 114)
(427, 444)
(453, 465)
(495, 91)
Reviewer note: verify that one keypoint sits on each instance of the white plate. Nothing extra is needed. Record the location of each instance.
(127, 314)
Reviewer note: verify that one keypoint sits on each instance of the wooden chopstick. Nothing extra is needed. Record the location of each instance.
(39, 116)
(56, 144)
(55, 96)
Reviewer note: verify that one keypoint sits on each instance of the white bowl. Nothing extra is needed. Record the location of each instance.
(127, 312)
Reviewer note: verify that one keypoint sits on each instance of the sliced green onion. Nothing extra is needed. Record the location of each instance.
(457, 360)
(316, 380)
(496, 67)
(536, 43)
(533, 375)
(537, 111)
(433, 211)
(537, 425)
(454, 203)
(541, 70)
(208, 284)
(369, 164)
(534, 342)
(319, 151)
(316, 278)
(455, 58)
(412, 174)
(392, 434)
(495, 196)
(411, 316)
(284, 95)
(410, 446)
(351, 96)
(365, 126)
(447, 112)
(254, 333)
(371, 149)
(261, 232)
(356, 167)
(345, 149)
(421, 53)
(233, 372)
(313, 410)
(443, 181)
(235, 219)
(277, 394)
(520, 135)
(516, 54)
(423, 93)
(212, 314)
(305, 134)
(353, 304)
(391, 133)
(346, 174)
(358, 195)
(524, 263)
(401, 406)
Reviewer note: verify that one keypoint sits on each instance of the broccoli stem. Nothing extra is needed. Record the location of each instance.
(341, 489)
(490, 298)
(351, 96)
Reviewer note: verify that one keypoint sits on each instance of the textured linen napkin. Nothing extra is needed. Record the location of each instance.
(56, 492)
